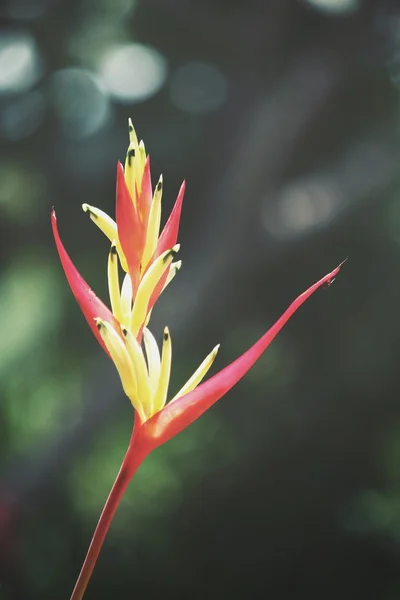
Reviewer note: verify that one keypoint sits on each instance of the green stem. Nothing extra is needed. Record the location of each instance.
(132, 460)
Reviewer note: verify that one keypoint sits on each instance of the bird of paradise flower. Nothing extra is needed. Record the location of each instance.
(148, 259)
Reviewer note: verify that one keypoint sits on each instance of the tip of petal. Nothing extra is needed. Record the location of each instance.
(85, 207)
(176, 248)
(166, 333)
(215, 350)
(329, 278)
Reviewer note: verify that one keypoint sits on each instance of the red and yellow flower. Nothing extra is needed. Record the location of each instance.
(147, 259)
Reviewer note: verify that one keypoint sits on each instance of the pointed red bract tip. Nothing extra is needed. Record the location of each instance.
(169, 234)
(89, 303)
(180, 413)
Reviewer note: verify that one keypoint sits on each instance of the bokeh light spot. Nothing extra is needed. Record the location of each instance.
(25, 289)
(300, 209)
(335, 6)
(20, 62)
(132, 72)
(91, 39)
(79, 102)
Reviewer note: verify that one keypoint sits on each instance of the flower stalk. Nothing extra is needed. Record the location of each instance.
(130, 464)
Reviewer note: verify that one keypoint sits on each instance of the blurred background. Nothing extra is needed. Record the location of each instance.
(283, 117)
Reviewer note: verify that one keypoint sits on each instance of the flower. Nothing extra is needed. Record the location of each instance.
(148, 260)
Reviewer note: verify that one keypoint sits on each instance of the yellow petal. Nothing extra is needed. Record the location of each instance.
(122, 361)
(126, 299)
(198, 375)
(172, 272)
(147, 285)
(142, 155)
(132, 134)
(153, 359)
(162, 389)
(113, 282)
(139, 365)
(153, 228)
(130, 170)
(108, 226)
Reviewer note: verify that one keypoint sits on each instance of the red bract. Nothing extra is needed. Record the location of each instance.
(180, 413)
(130, 230)
(89, 303)
(146, 194)
(169, 234)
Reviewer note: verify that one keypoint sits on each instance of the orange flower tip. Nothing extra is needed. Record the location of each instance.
(160, 184)
(166, 334)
